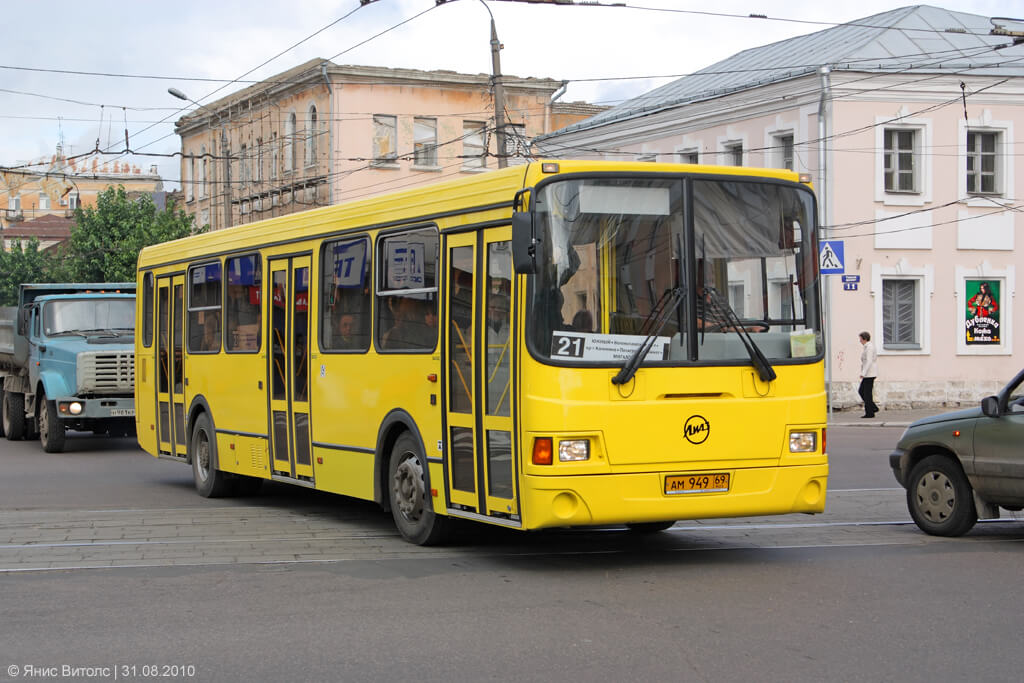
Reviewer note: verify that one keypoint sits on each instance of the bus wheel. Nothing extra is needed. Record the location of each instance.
(51, 429)
(649, 527)
(410, 504)
(13, 410)
(210, 482)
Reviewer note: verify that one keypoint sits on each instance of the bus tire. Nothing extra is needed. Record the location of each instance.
(210, 482)
(649, 527)
(51, 428)
(13, 410)
(411, 506)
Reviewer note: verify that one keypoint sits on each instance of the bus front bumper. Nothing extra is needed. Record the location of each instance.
(634, 498)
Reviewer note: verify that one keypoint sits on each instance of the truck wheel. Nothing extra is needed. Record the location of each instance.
(210, 482)
(13, 410)
(51, 429)
(411, 507)
(939, 497)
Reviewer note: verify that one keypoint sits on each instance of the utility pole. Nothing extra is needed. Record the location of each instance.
(499, 92)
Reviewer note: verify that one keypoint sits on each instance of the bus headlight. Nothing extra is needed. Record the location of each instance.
(573, 451)
(803, 442)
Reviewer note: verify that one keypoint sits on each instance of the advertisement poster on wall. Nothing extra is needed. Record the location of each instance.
(981, 323)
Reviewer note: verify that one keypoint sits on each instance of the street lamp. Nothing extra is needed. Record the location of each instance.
(225, 151)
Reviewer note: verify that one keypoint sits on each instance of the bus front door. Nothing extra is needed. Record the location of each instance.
(170, 363)
(288, 368)
(481, 465)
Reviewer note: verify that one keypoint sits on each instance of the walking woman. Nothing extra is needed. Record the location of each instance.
(868, 372)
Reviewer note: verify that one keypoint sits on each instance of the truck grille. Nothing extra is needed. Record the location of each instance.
(106, 373)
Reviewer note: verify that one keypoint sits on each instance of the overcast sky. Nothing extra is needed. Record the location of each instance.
(147, 47)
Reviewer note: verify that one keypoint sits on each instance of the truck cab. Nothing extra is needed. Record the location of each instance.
(71, 363)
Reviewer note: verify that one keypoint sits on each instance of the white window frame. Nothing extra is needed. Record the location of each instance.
(922, 129)
(311, 134)
(779, 150)
(474, 137)
(424, 146)
(516, 145)
(1005, 166)
(188, 164)
(685, 154)
(385, 158)
(728, 149)
(44, 201)
(275, 155)
(289, 142)
(1007, 278)
(74, 200)
(204, 190)
(925, 278)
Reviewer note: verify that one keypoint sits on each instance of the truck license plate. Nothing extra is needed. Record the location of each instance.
(122, 412)
(711, 482)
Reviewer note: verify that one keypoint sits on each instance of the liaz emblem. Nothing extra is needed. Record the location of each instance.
(697, 429)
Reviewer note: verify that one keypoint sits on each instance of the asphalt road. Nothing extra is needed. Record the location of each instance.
(298, 585)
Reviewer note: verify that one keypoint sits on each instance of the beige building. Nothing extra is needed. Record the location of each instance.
(321, 134)
(918, 108)
(40, 192)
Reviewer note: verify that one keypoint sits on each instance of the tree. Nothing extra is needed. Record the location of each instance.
(106, 240)
(22, 263)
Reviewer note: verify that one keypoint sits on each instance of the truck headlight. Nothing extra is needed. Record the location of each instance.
(573, 451)
(803, 442)
(75, 408)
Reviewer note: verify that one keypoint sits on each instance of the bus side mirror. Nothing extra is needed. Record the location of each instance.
(524, 251)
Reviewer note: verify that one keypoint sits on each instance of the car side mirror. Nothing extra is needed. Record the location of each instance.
(990, 406)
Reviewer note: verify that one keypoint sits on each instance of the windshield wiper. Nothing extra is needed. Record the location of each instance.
(722, 308)
(653, 324)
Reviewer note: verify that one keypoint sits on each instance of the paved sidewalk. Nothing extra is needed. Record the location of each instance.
(884, 418)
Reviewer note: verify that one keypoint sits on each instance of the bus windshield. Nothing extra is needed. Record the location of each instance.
(732, 257)
(81, 316)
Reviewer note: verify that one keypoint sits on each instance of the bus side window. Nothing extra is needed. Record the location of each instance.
(243, 313)
(345, 295)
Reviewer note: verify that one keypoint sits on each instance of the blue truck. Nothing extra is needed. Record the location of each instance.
(67, 362)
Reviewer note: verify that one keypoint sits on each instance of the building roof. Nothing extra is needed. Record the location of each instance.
(47, 228)
(915, 39)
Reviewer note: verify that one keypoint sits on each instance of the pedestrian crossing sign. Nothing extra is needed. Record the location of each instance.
(831, 259)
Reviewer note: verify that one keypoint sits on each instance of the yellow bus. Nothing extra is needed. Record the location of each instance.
(562, 343)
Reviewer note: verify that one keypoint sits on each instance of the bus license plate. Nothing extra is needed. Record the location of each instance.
(122, 412)
(713, 482)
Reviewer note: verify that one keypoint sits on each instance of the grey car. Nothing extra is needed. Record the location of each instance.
(962, 465)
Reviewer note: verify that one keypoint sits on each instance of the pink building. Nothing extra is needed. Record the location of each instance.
(906, 122)
(320, 134)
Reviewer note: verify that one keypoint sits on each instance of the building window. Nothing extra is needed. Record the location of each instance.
(734, 154)
(244, 162)
(289, 143)
(900, 329)
(516, 146)
(900, 161)
(259, 160)
(74, 201)
(44, 201)
(15, 204)
(385, 129)
(784, 152)
(275, 156)
(982, 175)
(424, 141)
(689, 157)
(189, 190)
(474, 149)
(203, 189)
(311, 133)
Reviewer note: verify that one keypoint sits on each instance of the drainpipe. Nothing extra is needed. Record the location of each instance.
(330, 134)
(823, 220)
(550, 105)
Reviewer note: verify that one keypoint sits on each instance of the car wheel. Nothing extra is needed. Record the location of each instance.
(51, 428)
(649, 527)
(410, 505)
(210, 482)
(939, 497)
(13, 410)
